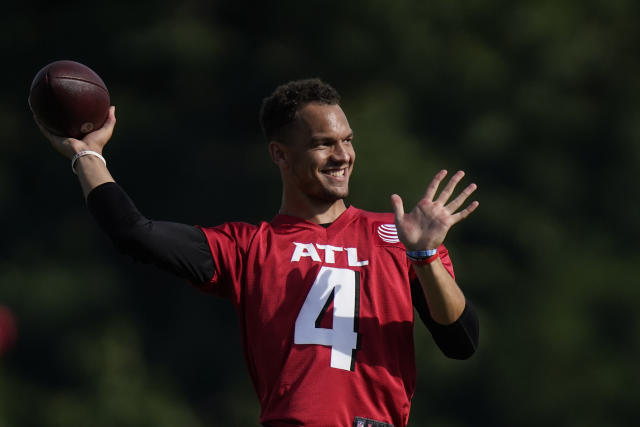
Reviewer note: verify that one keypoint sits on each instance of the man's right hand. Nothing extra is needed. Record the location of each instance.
(94, 141)
(91, 170)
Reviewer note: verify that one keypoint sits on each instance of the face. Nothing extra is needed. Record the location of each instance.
(319, 153)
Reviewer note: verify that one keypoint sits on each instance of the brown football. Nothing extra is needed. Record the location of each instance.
(69, 99)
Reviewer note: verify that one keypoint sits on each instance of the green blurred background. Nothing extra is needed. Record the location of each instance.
(539, 101)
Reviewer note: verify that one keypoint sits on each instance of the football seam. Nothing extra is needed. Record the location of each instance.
(79, 80)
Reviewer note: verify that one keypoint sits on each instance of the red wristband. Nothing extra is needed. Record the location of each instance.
(424, 261)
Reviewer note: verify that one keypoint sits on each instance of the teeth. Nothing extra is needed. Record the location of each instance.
(336, 173)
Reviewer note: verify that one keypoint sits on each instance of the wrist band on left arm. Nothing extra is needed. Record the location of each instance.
(424, 261)
(422, 254)
(423, 257)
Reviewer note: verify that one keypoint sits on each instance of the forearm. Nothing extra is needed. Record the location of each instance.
(445, 299)
(458, 340)
(92, 172)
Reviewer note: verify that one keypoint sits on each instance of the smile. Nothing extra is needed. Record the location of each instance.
(337, 173)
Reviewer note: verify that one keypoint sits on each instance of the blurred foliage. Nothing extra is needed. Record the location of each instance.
(539, 101)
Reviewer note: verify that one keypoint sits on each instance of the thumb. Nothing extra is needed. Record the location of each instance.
(101, 136)
(398, 207)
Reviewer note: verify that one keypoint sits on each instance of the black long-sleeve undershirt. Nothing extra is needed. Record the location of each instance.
(184, 251)
(178, 248)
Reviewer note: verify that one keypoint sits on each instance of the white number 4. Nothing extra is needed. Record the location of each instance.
(341, 284)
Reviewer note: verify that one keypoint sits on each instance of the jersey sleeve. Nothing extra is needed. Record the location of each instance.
(228, 244)
(446, 260)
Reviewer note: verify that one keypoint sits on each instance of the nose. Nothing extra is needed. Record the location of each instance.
(341, 153)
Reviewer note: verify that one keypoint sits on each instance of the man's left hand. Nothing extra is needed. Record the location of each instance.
(426, 226)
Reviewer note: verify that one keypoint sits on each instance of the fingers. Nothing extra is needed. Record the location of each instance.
(446, 193)
(465, 212)
(107, 128)
(101, 136)
(111, 118)
(398, 208)
(448, 189)
(459, 200)
(433, 185)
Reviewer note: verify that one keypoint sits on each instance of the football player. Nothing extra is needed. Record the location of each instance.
(325, 292)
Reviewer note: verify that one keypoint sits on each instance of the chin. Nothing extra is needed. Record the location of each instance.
(334, 196)
(327, 193)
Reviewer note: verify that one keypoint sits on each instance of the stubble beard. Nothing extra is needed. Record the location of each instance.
(322, 191)
(332, 195)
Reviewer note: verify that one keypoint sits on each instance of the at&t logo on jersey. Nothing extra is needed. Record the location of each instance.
(388, 233)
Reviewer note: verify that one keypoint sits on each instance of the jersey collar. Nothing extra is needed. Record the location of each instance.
(343, 220)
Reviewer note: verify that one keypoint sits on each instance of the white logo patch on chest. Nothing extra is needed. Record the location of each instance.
(388, 233)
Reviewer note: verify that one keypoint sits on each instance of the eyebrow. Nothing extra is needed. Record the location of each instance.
(328, 138)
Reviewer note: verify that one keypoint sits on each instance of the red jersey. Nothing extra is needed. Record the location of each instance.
(326, 316)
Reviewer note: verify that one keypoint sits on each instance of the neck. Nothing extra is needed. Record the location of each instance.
(317, 211)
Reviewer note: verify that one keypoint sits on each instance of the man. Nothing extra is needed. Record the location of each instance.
(323, 292)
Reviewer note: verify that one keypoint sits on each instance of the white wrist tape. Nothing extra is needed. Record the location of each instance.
(82, 154)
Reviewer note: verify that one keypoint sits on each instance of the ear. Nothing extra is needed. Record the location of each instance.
(279, 153)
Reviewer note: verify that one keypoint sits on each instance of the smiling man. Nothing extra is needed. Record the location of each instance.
(325, 293)
(315, 155)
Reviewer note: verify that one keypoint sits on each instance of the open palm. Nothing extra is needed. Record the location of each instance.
(426, 226)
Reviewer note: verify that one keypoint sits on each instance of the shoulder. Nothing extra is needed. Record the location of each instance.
(238, 231)
(235, 226)
(369, 216)
(381, 225)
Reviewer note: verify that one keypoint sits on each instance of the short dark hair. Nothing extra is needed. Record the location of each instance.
(279, 109)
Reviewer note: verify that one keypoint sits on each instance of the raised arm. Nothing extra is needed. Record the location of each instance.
(178, 248)
(424, 229)
(436, 296)
(91, 170)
